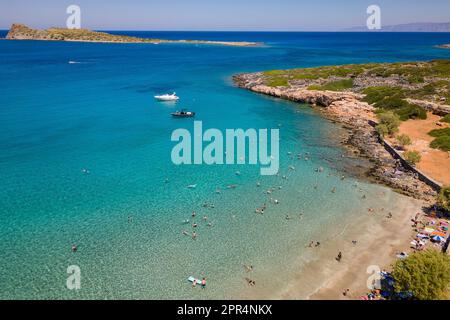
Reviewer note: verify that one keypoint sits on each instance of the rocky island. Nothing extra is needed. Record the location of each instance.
(444, 46)
(388, 109)
(22, 32)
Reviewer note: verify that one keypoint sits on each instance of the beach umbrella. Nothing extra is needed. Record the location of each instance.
(438, 238)
(438, 233)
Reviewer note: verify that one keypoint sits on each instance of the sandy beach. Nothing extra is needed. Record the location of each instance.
(378, 238)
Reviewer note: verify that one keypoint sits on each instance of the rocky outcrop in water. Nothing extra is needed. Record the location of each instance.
(22, 32)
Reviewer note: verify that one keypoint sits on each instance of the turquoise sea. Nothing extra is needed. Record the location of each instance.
(57, 118)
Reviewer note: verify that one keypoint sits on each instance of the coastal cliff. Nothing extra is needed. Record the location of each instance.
(342, 92)
(22, 32)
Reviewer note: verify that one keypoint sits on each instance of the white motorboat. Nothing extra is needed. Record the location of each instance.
(167, 97)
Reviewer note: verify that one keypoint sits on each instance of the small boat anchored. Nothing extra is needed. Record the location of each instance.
(183, 114)
(167, 97)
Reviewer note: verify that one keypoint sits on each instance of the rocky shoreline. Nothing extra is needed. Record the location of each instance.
(356, 116)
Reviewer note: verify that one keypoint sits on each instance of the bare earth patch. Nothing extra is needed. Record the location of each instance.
(435, 163)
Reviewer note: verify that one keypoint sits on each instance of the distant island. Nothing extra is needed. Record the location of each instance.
(22, 32)
(409, 27)
(445, 46)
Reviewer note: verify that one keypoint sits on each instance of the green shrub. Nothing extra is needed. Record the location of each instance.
(444, 198)
(275, 72)
(376, 94)
(441, 67)
(439, 132)
(413, 157)
(277, 82)
(404, 140)
(389, 122)
(382, 129)
(334, 85)
(446, 118)
(425, 91)
(392, 98)
(392, 103)
(441, 143)
(411, 111)
(425, 274)
(308, 76)
(416, 78)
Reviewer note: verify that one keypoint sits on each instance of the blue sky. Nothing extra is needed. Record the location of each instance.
(260, 15)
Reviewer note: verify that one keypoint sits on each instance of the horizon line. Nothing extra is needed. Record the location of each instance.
(254, 31)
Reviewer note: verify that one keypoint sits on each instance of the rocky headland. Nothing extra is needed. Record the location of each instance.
(345, 95)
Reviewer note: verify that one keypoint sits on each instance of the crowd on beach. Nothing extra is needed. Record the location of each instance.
(431, 231)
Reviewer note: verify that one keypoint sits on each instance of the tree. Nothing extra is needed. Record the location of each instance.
(389, 121)
(412, 157)
(426, 274)
(382, 129)
(403, 140)
(444, 198)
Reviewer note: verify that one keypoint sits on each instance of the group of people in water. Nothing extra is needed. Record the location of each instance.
(195, 224)
(262, 209)
(202, 283)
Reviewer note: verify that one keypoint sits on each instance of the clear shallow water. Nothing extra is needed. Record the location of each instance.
(57, 118)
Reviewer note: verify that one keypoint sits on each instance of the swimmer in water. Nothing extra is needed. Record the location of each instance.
(250, 282)
(248, 268)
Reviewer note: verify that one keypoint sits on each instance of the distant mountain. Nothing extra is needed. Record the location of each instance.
(409, 27)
